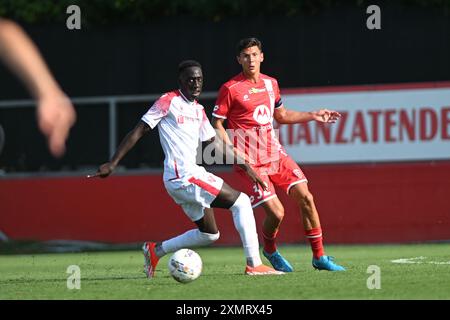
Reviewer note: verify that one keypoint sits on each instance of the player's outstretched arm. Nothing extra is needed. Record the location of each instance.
(55, 112)
(285, 116)
(224, 144)
(126, 145)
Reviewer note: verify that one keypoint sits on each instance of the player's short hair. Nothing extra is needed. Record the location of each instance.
(187, 64)
(247, 43)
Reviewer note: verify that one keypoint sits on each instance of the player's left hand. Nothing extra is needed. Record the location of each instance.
(326, 116)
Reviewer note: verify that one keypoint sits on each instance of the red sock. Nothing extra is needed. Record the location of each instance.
(315, 239)
(269, 242)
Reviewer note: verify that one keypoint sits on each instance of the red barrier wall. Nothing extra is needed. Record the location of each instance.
(357, 204)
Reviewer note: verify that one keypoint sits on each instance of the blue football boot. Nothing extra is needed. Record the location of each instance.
(326, 263)
(278, 262)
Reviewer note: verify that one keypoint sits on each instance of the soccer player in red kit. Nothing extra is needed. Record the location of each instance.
(182, 123)
(249, 102)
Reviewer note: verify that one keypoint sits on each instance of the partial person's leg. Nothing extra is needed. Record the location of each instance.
(206, 234)
(244, 221)
(311, 223)
(274, 216)
(304, 198)
(313, 231)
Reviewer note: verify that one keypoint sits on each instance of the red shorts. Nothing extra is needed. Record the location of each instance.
(283, 173)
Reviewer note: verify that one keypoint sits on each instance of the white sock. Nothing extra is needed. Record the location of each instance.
(189, 239)
(244, 221)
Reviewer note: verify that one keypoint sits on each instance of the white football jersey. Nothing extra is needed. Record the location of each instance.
(182, 124)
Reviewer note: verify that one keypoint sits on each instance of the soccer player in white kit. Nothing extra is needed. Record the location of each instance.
(181, 123)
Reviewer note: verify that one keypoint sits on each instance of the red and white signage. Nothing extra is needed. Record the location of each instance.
(378, 123)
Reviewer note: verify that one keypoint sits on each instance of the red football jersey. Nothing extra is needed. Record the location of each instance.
(248, 108)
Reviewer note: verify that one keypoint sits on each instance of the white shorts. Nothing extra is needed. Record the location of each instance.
(195, 193)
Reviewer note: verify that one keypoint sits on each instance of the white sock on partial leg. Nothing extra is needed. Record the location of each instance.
(189, 239)
(244, 221)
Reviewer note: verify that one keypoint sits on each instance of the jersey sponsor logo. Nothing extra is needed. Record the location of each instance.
(256, 90)
(262, 114)
(181, 119)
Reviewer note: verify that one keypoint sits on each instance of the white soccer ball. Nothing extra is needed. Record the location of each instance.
(185, 265)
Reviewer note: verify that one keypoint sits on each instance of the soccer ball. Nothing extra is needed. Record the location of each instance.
(185, 265)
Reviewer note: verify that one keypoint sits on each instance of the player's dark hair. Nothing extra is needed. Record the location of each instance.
(187, 64)
(247, 43)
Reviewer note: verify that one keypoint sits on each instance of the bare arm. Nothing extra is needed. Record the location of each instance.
(223, 142)
(220, 129)
(126, 145)
(285, 116)
(22, 56)
(55, 112)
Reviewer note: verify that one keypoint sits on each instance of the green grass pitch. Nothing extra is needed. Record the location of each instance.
(119, 275)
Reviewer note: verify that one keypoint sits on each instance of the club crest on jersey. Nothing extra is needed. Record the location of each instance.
(180, 119)
(256, 90)
(262, 114)
(246, 98)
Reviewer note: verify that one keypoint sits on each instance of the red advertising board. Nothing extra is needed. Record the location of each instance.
(360, 203)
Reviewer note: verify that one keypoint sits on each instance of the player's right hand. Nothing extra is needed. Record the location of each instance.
(255, 178)
(104, 170)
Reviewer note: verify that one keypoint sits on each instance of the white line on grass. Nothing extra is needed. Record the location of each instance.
(418, 260)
